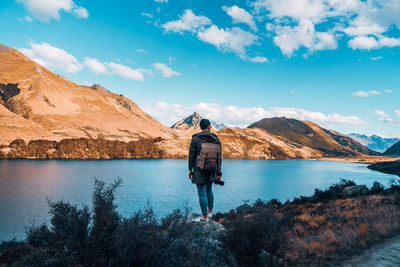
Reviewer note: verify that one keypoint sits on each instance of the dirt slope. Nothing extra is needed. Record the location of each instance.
(38, 104)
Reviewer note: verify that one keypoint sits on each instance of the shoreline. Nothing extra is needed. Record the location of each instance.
(364, 159)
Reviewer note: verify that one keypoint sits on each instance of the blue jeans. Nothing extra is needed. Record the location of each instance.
(206, 197)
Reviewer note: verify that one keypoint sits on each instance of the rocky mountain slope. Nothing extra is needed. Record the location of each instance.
(38, 104)
(394, 150)
(374, 142)
(191, 125)
(309, 134)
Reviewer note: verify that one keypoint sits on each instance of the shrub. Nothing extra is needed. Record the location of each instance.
(10, 244)
(137, 239)
(376, 188)
(66, 240)
(39, 236)
(105, 221)
(250, 233)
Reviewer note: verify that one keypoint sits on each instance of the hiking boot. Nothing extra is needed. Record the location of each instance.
(200, 219)
(210, 215)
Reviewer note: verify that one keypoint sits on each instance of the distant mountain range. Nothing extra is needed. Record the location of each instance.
(374, 142)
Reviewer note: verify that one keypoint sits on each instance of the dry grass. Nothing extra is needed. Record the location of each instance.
(328, 230)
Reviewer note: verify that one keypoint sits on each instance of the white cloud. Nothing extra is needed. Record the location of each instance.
(147, 15)
(240, 15)
(52, 57)
(366, 93)
(141, 51)
(187, 22)
(313, 10)
(228, 40)
(161, 1)
(126, 72)
(81, 13)
(242, 117)
(397, 114)
(258, 59)
(369, 42)
(166, 71)
(289, 39)
(376, 58)
(95, 66)
(315, 25)
(383, 117)
(367, 23)
(45, 10)
(363, 42)
(389, 91)
(28, 19)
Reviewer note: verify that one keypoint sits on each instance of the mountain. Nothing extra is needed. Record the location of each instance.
(309, 134)
(38, 104)
(244, 144)
(374, 142)
(394, 150)
(191, 125)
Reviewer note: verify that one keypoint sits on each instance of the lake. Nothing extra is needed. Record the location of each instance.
(163, 183)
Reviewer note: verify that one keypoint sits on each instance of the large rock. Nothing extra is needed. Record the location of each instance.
(355, 191)
(205, 244)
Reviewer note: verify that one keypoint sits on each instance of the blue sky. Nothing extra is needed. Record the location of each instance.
(334, 62)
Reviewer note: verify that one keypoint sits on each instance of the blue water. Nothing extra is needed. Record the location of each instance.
(25, 184)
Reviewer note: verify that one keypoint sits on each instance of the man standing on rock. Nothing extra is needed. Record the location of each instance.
(205, 158)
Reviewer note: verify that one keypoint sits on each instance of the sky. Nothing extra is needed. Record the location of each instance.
(333, 62)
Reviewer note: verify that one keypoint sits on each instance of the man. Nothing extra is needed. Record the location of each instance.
(205, 157)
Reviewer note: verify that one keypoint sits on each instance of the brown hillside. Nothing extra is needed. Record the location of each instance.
(309, 134)
(244, 143)
(38, 104)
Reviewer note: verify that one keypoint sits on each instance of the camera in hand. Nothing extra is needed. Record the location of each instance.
(219, 182)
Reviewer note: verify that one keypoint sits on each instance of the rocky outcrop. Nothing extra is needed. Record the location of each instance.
(391, 167)
(8, 90)
(206, 240)
(355, 191)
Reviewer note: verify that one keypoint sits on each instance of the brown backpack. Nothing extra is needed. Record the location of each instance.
(209, 159)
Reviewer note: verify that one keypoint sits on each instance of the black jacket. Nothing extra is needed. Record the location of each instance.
(199, 176)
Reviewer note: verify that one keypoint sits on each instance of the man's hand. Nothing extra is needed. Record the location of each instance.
(191, 175)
